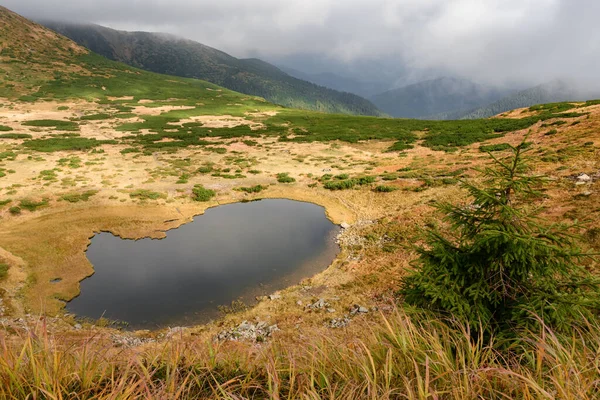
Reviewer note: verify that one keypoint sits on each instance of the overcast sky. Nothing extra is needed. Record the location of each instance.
(490, 41)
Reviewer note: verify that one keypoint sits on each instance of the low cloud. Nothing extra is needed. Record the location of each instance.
(490, 41)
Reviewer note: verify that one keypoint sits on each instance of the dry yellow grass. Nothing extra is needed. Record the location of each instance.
(51, 242)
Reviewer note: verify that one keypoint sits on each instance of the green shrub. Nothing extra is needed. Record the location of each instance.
(218, 150)
(3, 271)
(95, 117)
(130, 150)
(15, 136)
(62, 144)
(200, 193)
(348, 183)
(31, 205)
(285, 178)
(365, 180)
(389, 177)
(145, 194)
(494, 147)
(71, 162)
(340, 185)
(77, 197)
(15, 210)
(184, 178)
(253, 189)
(384, 189)
(4, 128)
(7, 155)
(205, 169)
(499, 263)
(59, 125)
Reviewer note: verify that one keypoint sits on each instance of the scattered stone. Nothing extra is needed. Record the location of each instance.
(339, 322)
(345, 225)
(275, 296)
(356, 309)
(299, 302)
(584, 178)
(129, 340)
(174, 331)
(248, 331)
(331, 310)
(77, 327)
(318, 305)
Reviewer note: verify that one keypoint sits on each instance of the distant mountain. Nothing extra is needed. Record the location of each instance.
(436, 98)
(550, 92)
(341, 83)
(167, 54)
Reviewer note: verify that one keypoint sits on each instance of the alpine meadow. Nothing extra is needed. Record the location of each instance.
(455, 258)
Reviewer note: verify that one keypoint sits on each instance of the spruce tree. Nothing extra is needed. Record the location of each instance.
(498, 264)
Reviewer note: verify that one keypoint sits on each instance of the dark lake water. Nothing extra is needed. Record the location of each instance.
(235, 251)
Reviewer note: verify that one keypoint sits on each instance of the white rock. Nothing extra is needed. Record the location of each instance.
(345, 225)
(583, 178)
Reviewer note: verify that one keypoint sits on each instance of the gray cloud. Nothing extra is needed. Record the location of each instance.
(492, 41)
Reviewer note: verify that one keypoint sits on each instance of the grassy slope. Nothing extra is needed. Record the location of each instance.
(168, 55)
(373, 357)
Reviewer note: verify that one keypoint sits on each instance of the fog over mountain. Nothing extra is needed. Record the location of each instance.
(516, 43)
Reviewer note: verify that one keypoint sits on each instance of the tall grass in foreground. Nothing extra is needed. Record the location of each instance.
(399, 358)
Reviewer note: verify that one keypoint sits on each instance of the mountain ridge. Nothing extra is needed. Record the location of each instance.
(168, 54)
(433, 97)
(548, 92)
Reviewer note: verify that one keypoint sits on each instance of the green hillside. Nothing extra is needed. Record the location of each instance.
(166, 54)
(83, 75)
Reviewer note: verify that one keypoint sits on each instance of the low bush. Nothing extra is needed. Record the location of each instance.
(77, 197)
(59, 125)
(145, 194)
(253, 189)
(285, 178)
(384, 189)
(95, 117)
(200, 193)
(31, 205)
(62, 144)
(3, 271)
(15, 136)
